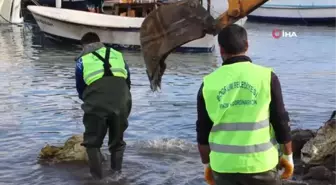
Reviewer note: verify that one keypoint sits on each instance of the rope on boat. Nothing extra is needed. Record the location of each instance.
(18, 24)
(302, 17)
(35, 2)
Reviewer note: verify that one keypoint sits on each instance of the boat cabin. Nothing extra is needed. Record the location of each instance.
(128, 8)
(134, 8)
(131, 8)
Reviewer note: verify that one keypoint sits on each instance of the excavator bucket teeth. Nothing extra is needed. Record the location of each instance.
(167, 28)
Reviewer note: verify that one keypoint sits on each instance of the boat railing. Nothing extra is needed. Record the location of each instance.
(135, 8)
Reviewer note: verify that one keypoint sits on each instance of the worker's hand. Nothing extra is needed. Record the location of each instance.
(208, 175)
(286, 162)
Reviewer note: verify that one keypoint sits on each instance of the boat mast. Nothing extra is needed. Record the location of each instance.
(58, 3)
(209, 5)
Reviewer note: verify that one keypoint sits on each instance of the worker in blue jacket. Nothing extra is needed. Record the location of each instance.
(103, 83)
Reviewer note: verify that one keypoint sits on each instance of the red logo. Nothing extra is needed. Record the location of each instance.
(276, 33)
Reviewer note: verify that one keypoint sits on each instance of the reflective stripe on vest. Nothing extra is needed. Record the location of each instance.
(233, 149)
(240, 126)
(94, 67)
(237, 98)
(113, 70)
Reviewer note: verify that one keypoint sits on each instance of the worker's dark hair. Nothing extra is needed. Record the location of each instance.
(90, 38)
(233, 39)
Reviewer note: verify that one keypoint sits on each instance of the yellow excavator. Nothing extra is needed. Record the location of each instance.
(171, 26)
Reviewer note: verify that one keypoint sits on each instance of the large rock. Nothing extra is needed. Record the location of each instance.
(318, 173)
(299, 138)
(70, 151)
(323, 146)
(317, 163)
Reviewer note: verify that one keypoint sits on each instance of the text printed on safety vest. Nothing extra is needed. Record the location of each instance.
(236, 85)
(277, 33)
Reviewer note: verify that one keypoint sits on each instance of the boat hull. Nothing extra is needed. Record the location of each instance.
(121, 38)
(120, 32)
(294, 14)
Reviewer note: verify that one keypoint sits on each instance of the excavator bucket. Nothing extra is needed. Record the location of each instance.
(167, 28)
(170, 26)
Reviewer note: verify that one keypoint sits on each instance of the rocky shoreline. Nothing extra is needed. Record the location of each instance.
(314, 155)
(313, 150)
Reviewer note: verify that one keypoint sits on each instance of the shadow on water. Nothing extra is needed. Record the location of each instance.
(40, 104)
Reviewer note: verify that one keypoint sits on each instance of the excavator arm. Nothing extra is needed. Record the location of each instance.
(171, 26)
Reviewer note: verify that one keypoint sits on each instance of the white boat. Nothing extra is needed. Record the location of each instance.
(10, 11)
(305, 11)
(118, 31)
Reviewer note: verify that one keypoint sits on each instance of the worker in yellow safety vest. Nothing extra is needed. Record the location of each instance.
(103, 83)
(242, 119)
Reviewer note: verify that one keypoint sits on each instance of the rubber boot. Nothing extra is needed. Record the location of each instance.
(95, 162)
(117, 159)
